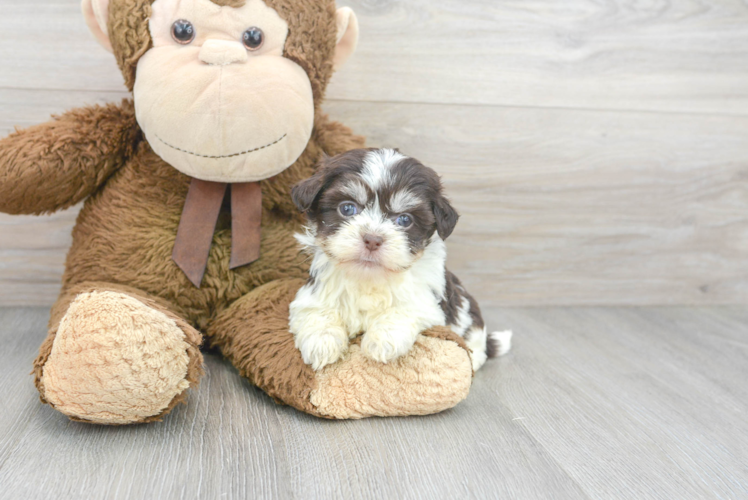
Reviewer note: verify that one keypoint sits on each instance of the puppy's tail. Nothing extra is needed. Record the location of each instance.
(498, 343)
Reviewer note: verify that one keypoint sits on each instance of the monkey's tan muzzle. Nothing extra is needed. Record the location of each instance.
(222, 52)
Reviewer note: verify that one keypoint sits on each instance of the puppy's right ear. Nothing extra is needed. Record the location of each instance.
(446, 216)
(305, 192)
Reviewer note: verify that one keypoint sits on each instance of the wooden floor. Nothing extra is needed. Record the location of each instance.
(629, 403)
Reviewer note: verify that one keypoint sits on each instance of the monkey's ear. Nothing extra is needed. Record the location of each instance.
(347, 39)
(305, 192)
(446, 217)
(96, 13)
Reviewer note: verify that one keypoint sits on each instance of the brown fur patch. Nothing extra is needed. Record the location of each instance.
(129, 35)
(452, 302)
(445, 333)
(57, 164)
(253, 334)
(311, 39)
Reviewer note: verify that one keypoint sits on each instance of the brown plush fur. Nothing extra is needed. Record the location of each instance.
(125, 232)
(129, 35)
(57, 164)
(253, 335)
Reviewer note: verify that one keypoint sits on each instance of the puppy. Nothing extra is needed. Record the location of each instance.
(376, 231)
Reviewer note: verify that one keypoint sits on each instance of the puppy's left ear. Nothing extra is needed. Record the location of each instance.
(446, 217)
(305, 192)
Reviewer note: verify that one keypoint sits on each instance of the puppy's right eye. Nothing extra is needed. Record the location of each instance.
(348, 209)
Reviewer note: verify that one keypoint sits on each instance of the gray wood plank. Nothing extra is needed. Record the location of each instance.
(667, 56)
(559, 206)
(685, 56)
(591, 403)
(616, 394)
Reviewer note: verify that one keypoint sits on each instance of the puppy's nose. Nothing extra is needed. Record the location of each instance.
(222, 52)
(373, 242)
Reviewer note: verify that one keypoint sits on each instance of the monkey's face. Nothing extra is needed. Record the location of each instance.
(225, 90)
(214, 95)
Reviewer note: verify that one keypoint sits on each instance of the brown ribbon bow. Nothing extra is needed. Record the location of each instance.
(198, 223)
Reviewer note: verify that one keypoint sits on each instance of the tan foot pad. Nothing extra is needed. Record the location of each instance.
(435, 375)
(115, 360)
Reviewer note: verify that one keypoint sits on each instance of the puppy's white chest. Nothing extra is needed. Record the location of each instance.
(372, 304)
(365, 303)
(415, 301)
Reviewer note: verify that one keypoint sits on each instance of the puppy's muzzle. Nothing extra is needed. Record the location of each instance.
(373, 242)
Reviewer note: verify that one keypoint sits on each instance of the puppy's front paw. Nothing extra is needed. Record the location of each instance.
(385, 345)
(322, 349)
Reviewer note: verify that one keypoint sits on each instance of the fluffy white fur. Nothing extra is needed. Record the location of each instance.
(377, 167)
(356, 191)
(464, 321)
(403, 201)
(347, 298)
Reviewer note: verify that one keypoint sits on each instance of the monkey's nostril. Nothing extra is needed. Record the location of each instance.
(373, 242)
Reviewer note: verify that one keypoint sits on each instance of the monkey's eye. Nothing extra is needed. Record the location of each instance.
(348, 209)
(183, 32)
(253, 38)
(404, 221)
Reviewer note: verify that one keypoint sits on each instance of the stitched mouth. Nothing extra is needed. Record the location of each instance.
(223, 156)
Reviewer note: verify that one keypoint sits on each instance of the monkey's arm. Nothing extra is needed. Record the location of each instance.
(55, 165)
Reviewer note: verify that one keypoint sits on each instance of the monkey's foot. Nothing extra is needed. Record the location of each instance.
(116, 360)
(434, 375)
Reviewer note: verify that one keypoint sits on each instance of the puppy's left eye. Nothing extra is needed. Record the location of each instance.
(404, 221)
(348, 209)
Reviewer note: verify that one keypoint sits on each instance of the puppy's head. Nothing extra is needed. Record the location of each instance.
(374, 209)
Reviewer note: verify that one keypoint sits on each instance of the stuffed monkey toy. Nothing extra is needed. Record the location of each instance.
(186, 233)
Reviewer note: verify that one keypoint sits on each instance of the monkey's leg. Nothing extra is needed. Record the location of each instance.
(253, 334)
(114, 355)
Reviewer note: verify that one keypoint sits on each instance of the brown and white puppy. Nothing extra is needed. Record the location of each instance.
(377, 225)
